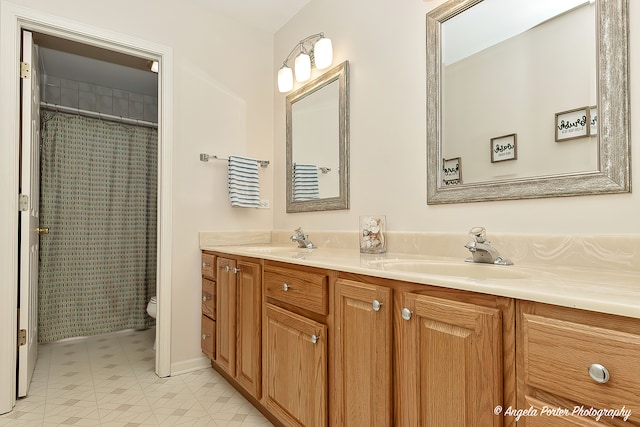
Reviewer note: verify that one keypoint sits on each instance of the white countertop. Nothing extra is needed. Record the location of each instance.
(614, 290)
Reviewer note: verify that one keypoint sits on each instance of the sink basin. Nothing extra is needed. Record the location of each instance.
(460, 269)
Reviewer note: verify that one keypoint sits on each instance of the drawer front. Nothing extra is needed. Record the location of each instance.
(558, 354)
(303, 289)
(208, 337)
(209, 266)
(209, 298)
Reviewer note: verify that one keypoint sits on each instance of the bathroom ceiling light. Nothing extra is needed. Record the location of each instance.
(310, 54)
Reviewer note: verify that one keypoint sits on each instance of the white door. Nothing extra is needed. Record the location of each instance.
(29, 222)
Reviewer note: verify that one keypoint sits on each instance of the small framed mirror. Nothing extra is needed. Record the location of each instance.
(318, 143)
(558, 79)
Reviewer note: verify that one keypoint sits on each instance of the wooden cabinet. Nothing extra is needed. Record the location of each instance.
(238, 322)
(208, 323)
(313, 347)
(295, 368)
(363, 355)
(296, 343)
(560, 349)
(449, 368)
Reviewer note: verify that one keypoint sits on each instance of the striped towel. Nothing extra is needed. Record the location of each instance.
(244, 185)
(305, 182)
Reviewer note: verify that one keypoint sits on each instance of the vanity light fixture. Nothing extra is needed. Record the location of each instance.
(319, 54)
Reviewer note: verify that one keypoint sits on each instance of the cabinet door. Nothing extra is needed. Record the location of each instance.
(363, 354)
(450, 363)
(248, 346)
(226, 315)
(295, 368)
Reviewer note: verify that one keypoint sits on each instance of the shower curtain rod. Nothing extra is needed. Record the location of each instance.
(96, 115)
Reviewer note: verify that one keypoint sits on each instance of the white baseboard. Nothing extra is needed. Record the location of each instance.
(190, 365)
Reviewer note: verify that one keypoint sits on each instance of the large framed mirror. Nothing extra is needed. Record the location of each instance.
(317, 143)
(524, 102)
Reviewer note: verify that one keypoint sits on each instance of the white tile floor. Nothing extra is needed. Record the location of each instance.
(109, 380)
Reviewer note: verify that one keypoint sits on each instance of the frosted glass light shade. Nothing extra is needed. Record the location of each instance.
(285, 79)
(303, 67)
(323, 53)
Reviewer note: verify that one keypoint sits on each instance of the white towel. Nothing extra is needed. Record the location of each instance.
(244, 185)
(305, 182)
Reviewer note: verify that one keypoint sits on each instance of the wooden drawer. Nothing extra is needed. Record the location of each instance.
(208, 337)
(209, 298)
(558, 352)
(209, 266)
(305, 289)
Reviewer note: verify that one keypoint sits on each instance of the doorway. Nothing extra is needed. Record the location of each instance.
(15, 19)
(98, 189)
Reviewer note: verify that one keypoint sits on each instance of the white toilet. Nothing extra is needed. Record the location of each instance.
(152, 310)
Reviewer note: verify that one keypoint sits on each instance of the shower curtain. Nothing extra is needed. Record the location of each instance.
(98, 198)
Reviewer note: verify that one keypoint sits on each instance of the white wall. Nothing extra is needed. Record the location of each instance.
(222, 105)
(384, 42)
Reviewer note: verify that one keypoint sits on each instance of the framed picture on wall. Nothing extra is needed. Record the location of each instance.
(572, 124)
(452, 171)
(593, 120)
(504, 148)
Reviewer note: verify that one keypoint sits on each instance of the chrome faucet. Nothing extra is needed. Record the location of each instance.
(302, 239)
(482, 250)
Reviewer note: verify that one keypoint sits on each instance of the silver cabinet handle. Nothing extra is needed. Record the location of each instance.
(406, 313)
(236, 270)
(598, 373)
(206, 264)
(205, 298)
(315, 338)
(205, 336)
(227, 268)
(376, 305)
(285, 287)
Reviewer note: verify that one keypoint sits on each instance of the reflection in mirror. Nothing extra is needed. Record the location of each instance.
(318, 143)
(523, 76)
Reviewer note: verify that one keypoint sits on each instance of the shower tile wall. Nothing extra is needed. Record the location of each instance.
(100, 99)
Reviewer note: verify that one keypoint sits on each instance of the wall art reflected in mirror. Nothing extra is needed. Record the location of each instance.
(317, 143)
(522, 80)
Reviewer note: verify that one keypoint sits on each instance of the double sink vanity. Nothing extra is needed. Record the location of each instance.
(417, 336)
(329, 336)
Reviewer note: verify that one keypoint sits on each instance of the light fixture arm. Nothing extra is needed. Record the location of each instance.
(300, 46)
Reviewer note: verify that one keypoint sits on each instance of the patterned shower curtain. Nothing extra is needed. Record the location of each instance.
(98, 198)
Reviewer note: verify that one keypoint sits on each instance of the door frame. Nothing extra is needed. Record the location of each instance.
(13, 19)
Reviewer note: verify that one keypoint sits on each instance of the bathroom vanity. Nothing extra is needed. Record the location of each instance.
(331, 337)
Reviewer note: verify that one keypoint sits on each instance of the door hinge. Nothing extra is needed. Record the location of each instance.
(22, 337)
(23, 203)
(25, 70)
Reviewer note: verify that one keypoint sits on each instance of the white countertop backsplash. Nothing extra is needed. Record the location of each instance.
(598, 273)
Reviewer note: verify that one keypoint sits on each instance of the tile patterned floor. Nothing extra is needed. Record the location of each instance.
(109, 380)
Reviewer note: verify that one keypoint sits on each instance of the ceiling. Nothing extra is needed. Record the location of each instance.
(79, 62)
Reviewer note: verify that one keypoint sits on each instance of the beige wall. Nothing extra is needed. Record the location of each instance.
(222, 105)
(385, 44)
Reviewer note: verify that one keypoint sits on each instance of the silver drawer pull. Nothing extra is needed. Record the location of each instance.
(315, 338)
(285, 287)
(406, 314)
(206, 264)
(236, 270)
(376, 305)
(205, 336)
(227, 268)
(598, 373)
(205, 298)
